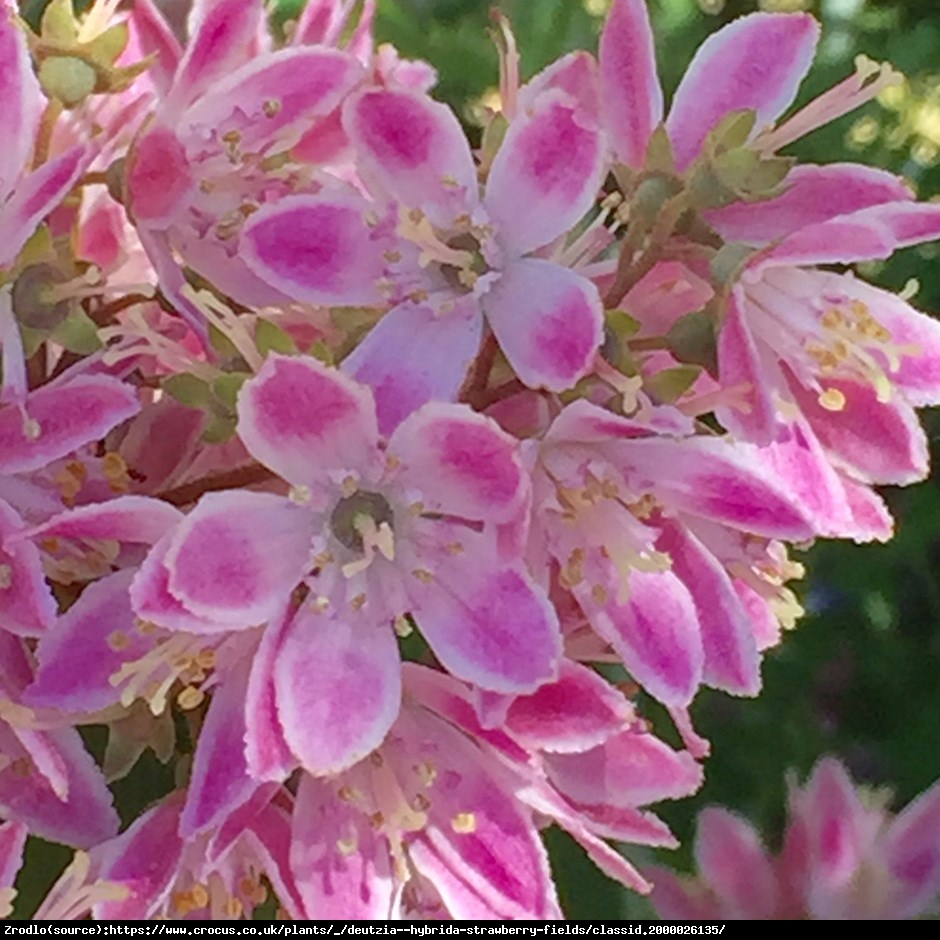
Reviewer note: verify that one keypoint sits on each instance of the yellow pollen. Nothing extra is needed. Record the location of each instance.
(31, 429)
(323, 559)
(190, 698)
(349, 486)
(205, 659)
(319, 604)
(599, 594)
(299, 494)
(346, 793)
(233, 908)
(449, 182)
(358, 602)
(573, 572)
(392, 257)
(423, 575)
(118, 641)
(377, 820)
(271, 107)
(832, 399)
(416, 508)
(427, 773)
(420, 804)
(347, 846)
(376, 759)
(464, 823)
(145, 627)
(454, 548)
(51, 544)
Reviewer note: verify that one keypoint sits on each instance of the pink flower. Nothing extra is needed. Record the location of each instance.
(844, 857)
(12, 841)
(450, 256)
(371, 534)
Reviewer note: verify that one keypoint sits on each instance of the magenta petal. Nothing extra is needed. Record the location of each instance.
(143, 859)
(222, 38)
(756, 63)
(415, 150)
(545, 176)
(333, 883)
(35, 196)
(159, 179)
(21, 104)
(548, 320)
(277, 92)
(732, 662)
(461, 463)
(412, 356)
(630, 770)
(315, 248)
(239, 554)
(881, 442)
(912, 851)
(862, 236)
(497, 869)
(80, 654)
(12, 841)
(83, 817)
(304, 420)
(488, 623)
(732, 860)
(68, 415)
(575, 75)
(156, 38)
(575, 713)
(630, 91)
(220, 782)
(28, 605)
(655, 631)
(338, 687)
(814, 194)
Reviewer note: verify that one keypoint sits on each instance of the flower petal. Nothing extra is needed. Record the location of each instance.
(338, 688)
(157, 39)
(414, 150)
(756, 63)
(315, 248)
(412, 356)
(630, 92)
(546, 174)
(461, 463)
(29, 607)
(68, 415)
(239, 555)
(548, 320)
(160, 182)
(912, 851)
(304, 420)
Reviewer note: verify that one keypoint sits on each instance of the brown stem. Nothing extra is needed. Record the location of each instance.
(501, 392)
(648, 343)
(105, 313)
(231, 479)
(37, 368)
(475, 385)
(44, 134)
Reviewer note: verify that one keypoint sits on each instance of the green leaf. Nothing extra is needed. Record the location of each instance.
(269, 337)
(78, 333)
(188, 390)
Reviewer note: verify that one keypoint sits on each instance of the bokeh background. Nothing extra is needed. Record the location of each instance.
(860, 676)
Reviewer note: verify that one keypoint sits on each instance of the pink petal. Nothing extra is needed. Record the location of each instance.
(315, 248)
(415, 151)
(732, 860)
(156, 38)
(676, 898)
(655, 631)
(268, 755)
(35, 196)
(912, 851)
(220, 781)
(12, 841)
(881, 442)
(160, 182)
(731, 662)
(333, 883)
(83, 817)
(78, 656)
(630, 770)
(545, 176)
(870, 515)
(275, 93)
(21, 104)
(239, 554)
(28, 605)
(575, 75)
(304, 420)
(575, 713)
(461, 463)
(144, 859)
(862, 236)
(500, 866)
(814, 194)
(338, 687)
(69, 415)
(488, 623)
(412, 356)
(135, 519)
(222, 38)
(630, 91)
(756, 63)
(548, 320)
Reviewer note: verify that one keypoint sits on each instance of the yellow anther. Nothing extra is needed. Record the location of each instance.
(464, 823)
(427, 773)
(403, 626)
(599, 594)
(358, 602)
(118, 641)
(832, 399)
(271, 107)
(199, 895)
(190, 698)
(454, 548)
(347, 846)
(349, 486)
(573, 572)
(423, 575)
(205, 659)
(416, 508)
(420, 804)
(377, 820)
(299, 494)
(323, 559)
(319, 604)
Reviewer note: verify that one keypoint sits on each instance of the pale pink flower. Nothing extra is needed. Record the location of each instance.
(844, 857)
(371, 533)
(12, 841)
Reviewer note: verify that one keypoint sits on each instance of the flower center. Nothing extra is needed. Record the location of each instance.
(355, 516)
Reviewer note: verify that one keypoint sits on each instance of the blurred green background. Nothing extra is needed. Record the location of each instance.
(859, 676)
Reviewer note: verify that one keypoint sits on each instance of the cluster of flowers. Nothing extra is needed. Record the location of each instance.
(297, 385)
